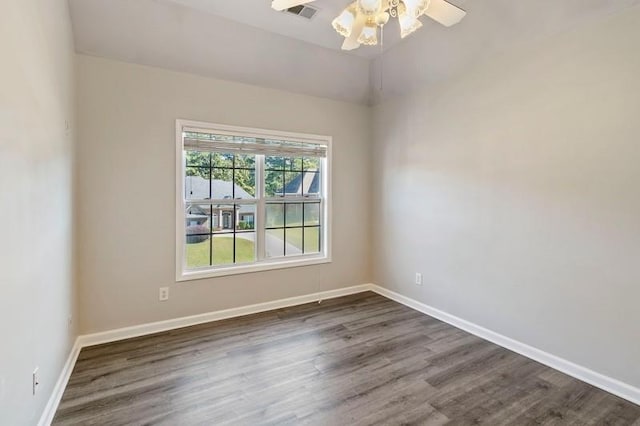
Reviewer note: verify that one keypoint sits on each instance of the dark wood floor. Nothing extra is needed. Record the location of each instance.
(356, 360)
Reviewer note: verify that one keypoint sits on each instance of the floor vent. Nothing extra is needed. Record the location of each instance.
(303, 11)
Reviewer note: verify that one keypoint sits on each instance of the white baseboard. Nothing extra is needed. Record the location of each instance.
(56, 395)
(609, 384)
(156, 327)
(601, 381)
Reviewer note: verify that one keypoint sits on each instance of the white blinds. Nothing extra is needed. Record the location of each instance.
(210, 142)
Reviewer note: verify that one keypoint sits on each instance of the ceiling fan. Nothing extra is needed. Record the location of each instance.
(359, 21)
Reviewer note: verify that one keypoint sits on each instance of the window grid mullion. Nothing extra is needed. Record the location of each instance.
(261, 233)
(211, 235)
(292, 199)
(233, 177)
(241, 201)
(210, 175)
(234, 225)
(260, 202)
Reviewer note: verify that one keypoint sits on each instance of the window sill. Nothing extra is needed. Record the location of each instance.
(247, 269)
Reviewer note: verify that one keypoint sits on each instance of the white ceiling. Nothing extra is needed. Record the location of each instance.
(247, 41)
(318, 30)
(259, 14)
(491, 27)
(165, 34)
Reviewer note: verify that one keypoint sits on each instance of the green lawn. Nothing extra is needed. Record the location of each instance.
(294, 237)
(198, 254)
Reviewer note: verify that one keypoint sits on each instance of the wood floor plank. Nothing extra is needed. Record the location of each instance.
(355, 360)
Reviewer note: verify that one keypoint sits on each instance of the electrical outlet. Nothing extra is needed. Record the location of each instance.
(418, 278)
(35, 381)
(164, 294)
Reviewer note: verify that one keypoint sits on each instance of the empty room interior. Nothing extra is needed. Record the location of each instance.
(320, 212)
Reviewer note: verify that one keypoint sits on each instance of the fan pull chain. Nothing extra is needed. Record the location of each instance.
(381, 55)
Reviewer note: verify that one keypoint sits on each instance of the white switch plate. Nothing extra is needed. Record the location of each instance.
(164, 294)
(418, 278)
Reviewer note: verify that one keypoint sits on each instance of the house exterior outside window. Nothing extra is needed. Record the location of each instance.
(249, 200)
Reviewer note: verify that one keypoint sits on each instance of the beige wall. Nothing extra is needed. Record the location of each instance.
(126, 191)
(514, 189)
(36, 99)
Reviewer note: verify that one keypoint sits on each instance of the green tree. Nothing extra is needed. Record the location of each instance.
(279, 170)
(221, 165)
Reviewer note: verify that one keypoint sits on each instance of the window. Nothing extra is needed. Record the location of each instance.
(249, 200)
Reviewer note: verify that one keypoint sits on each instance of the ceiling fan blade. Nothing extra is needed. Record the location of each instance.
(444, 12)
(286, 4)
(351, 42)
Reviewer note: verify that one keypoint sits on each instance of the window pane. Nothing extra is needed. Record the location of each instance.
(223, 217)
(243, 161)
(198, 219)
(311, 164)
(312, 239)
(294, 241)
(294, 164)
(312, 214)
(293, 214)
(275, 215)
(273, 183)
(222, 249)
(197, 253)
(311, 183)
(197, 183)
(201, 159)
(197, 238)
(222, 184)
(274, 242)
(245, 184)
(221, 160)
(245, 247)
(246, 219)
(274, 163)
(293, 183)
(245, 176)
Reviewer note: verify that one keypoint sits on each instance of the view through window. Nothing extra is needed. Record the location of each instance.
(250, 200)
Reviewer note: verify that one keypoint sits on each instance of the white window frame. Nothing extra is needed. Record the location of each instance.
(182, 273)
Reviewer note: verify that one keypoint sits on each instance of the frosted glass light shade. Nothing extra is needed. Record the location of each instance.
(416, 7)
(369, 36)
(408, 23)
(344, 22)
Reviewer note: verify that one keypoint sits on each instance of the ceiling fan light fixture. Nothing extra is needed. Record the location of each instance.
(408, 23)
(369, 7)
(416, 7)
(358, 23)
(369, 35)
(344, 22)
(382, 19)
